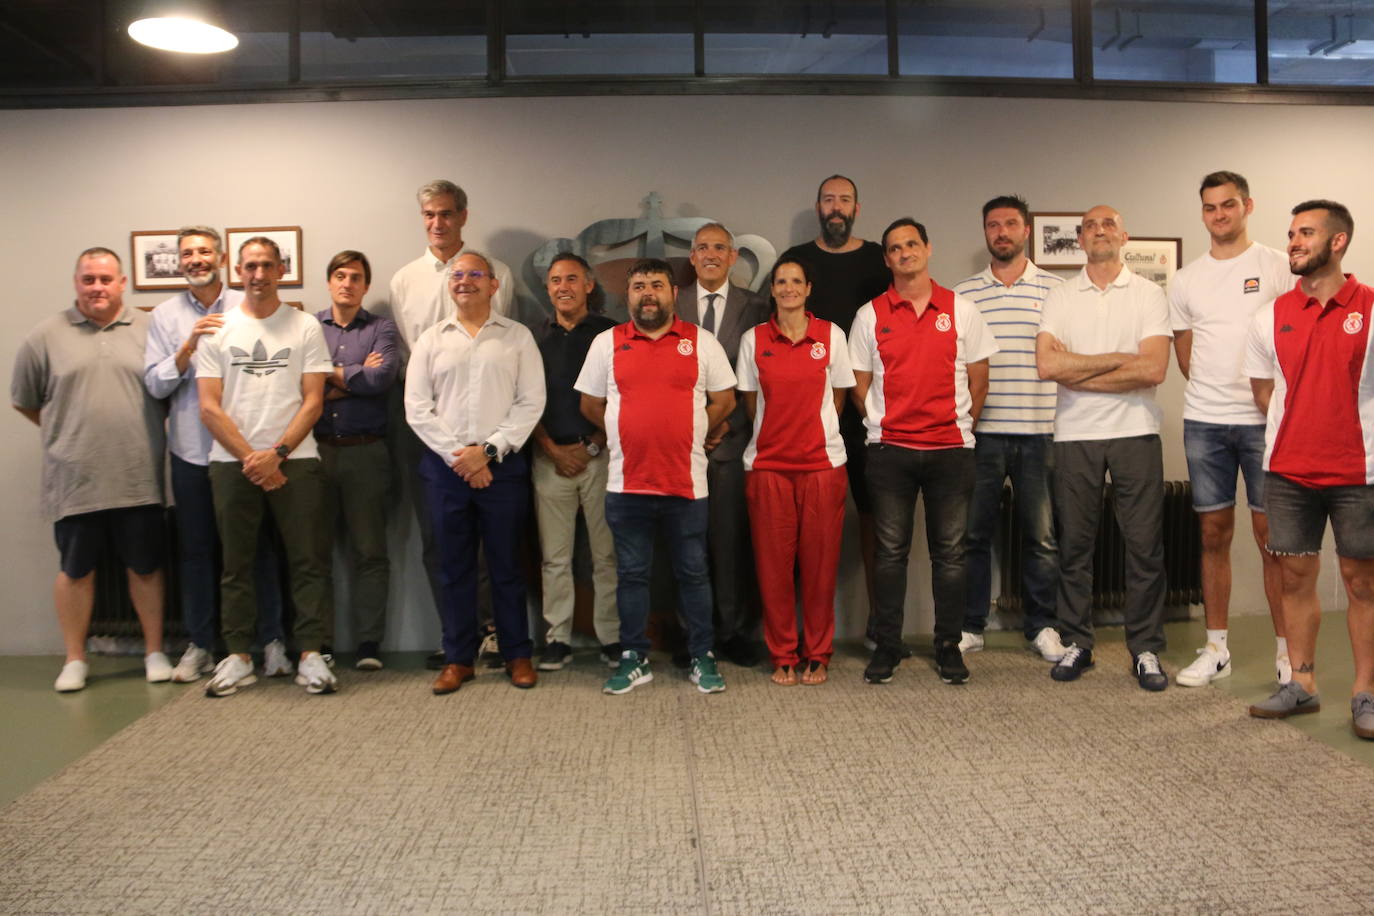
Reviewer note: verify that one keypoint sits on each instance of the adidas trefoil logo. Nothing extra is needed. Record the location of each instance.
(258, 363)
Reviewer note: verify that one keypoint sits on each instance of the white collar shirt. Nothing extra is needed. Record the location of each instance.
(420, 300)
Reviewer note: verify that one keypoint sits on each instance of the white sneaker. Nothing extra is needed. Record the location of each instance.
(1211, 664)
(1283, 669)
(156, 668)
(72, 678)
(971, 642)
(230, 674)
(194, 662)
(1048, 644)
(274, 660)
(315, 675)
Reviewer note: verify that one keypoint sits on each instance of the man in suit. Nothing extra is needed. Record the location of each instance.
(727, 311)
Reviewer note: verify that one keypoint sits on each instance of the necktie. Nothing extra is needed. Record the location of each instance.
(710, 319)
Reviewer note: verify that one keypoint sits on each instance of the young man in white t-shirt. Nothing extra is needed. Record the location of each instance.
(261, 381)
(1211, 304)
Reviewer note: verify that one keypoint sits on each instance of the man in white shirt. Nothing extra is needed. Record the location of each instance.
(474, 392)
(420, 300)
(261, 381)
(1104, 337)
(1211, 303)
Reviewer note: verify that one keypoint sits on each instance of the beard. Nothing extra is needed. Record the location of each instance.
(1314, 263)
(652, 321)
(201, 280)
(1005, 253)
(835, 236)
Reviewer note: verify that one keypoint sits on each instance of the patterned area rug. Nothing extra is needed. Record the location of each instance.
(1009, 794)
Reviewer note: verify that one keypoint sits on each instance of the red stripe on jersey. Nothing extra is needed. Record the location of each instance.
(918, 354)
(1321, 353)
(657, 382)
(794, 382)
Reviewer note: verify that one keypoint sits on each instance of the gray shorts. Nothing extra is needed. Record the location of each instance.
(1298, 514)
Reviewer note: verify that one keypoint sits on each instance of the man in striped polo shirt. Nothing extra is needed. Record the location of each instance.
(920, 356)
(1015, 432)
(1307, 358)
(656, 384)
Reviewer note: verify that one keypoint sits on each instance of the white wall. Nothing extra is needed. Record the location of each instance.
(539, 168)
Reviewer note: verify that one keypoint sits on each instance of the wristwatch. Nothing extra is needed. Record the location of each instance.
(491, 451)
(282, 451)
(592, 448)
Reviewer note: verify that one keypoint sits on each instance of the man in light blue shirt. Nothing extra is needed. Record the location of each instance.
(169, 373)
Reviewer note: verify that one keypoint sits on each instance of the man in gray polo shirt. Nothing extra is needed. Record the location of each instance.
(79, 377)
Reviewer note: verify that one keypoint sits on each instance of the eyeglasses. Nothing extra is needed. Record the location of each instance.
(469, 274)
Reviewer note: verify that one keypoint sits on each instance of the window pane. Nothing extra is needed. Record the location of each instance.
(43, 48)
(796, 36)
(985, 38)
(1174, 42)
(597, 37)
(1328, 43)
(374, 39)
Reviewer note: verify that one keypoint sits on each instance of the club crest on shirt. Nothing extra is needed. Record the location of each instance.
(1251, 285)
(818, 350)
(1353, 323)
(942, 323)
(684, 347)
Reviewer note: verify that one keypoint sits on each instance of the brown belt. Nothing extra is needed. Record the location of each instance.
(342, 441)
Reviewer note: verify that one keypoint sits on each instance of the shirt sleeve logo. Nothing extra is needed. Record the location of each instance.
(943, 323)
(818, 350)
(1251, 285)
(684, 346)
(1354, 322)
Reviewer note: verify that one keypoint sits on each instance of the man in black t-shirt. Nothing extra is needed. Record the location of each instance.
(845, 273)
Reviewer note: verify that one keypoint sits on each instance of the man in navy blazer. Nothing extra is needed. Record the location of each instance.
(727, 311)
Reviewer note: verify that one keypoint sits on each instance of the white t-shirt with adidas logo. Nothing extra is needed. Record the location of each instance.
(261, 361)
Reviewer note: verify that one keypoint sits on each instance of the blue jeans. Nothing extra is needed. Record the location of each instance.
(634, 518)
(1029, 462)
(1215, 451)
(896, 476)
(199, 570)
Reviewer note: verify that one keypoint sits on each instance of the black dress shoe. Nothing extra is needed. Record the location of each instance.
(739, 651)
(435, 660)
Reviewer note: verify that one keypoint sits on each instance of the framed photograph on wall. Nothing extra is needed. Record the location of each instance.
(154, 261)
(1156, 260)
(288, 238)
(1054, 240)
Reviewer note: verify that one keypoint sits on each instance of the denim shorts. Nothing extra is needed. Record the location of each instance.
(1298, 514)
(1215, 451)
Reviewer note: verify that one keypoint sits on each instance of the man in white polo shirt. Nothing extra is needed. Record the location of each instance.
(1211, 304)
(657, 384)
(1104, 337)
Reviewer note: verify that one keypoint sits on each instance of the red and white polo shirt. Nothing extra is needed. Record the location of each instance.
(655, 393)
(1320, 430)
(795, 424)
(919, 397)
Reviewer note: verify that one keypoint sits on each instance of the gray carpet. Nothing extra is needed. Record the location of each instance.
(1010, 794)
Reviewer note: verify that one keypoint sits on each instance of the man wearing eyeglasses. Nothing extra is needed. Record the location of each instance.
(727, 311)
(474, 392)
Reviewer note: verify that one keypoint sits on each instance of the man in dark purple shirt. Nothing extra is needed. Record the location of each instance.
(351, 436)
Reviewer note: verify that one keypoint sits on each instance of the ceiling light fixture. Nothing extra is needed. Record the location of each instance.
(186, 27)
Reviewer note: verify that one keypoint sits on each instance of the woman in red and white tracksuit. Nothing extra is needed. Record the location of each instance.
(793, 372)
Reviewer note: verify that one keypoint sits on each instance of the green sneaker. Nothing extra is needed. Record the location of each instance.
(632, 671)
(705, 675)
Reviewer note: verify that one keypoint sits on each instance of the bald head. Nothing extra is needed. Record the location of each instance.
(1102, 234)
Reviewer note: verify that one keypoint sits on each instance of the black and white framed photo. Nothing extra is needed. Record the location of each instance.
(1054, 240)
(288, 239)
(1155, 259)
(154, 261)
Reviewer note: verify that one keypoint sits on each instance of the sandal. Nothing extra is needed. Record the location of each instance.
(785, 675)
(815, 673)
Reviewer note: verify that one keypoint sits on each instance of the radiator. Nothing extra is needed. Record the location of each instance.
(1182, 552)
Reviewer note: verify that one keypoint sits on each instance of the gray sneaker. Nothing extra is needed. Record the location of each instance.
(1362, 715)
(1288, 700)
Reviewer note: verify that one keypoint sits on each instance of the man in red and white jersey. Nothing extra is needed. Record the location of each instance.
(920, 356)
(1308, 361)
(656, 384)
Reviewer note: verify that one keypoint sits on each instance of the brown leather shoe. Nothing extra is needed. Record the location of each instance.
(522, 673)
(451, 677)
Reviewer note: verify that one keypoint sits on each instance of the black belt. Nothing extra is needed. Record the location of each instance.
(343, 441)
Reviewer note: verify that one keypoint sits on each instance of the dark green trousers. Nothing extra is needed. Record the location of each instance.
(358, 478)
